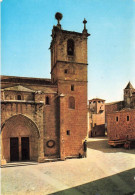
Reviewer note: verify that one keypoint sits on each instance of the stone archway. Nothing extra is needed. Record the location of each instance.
(20, 138)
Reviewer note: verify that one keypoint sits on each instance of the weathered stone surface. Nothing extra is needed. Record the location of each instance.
(32, 105)
(119, 127)
(96, 117)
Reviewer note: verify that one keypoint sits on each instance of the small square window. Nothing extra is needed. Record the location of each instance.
(72, 87)
(117, 119)
(127, 118)
(65, 71)
(68, 132)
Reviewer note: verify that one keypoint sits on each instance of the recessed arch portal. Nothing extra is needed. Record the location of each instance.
(19, 135)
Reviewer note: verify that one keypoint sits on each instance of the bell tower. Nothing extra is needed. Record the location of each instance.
(69, 72)
(128, 94)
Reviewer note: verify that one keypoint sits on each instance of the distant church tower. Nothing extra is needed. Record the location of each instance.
(128, 94)
(69, 72)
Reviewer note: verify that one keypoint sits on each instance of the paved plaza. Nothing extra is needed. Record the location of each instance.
(105, 171)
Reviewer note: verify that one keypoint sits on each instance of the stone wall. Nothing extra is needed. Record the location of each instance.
(112, 107)
(70, 71)
(73, 121)
(119, 127)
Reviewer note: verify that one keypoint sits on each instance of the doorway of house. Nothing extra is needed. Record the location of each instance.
(25, 148)
(14, 149)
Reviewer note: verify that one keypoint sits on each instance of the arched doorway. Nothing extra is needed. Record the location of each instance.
(19, 139)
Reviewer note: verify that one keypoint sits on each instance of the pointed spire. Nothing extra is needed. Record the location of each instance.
(129, 86)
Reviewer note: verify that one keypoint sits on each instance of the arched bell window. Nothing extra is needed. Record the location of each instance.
(70, 47)
(72, 102)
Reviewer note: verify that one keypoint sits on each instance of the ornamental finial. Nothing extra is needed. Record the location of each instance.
(58, 17)
(84, 22)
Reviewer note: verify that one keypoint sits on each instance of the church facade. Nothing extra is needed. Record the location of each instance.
(47, 118)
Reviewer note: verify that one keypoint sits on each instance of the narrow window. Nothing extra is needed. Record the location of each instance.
(68, 132)
(117, 118)
(98, 101)
(72, 87)
(47, 100)
(65, 71)
(127, 118)
(72, 102)
(19, 97)
(70, 47)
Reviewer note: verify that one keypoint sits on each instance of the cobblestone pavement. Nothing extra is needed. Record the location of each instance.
(105, 171)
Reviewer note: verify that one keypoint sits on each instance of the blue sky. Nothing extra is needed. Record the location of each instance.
(25, 37)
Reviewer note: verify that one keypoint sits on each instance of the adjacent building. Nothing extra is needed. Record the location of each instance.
(121, 125)
(96, 117)
(127, 102)
(120, 117)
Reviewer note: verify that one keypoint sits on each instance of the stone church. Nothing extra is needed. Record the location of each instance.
(120, 118)
(128, 101)
(42, 118)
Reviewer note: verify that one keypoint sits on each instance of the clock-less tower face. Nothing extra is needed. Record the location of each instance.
(68, 55)
(69, 72)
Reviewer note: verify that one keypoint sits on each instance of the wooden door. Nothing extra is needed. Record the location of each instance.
(25, 148)
(14, 149)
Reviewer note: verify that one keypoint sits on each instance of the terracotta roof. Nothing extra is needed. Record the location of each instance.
(25, 89)
(49, 90)
(110, 103)
(18, 88)
(30, 80)
(123, 110)
(96, 99)
(126, 110)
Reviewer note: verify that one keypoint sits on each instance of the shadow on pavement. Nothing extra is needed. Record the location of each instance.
(20, 163)
(102, 145)
(119, 184)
